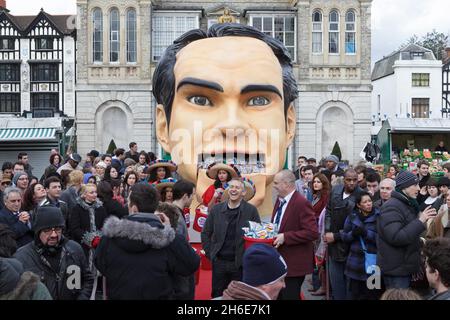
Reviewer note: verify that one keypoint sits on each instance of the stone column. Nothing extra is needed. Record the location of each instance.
(366, 36)
(303, 46)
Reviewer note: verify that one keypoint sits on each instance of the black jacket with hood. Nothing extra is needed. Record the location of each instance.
(138, 256)
(57, 281)
(398, 242)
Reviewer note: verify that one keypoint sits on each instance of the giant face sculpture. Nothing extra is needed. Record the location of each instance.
(226, 96)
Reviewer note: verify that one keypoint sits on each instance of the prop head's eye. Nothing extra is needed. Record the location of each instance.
(258, 101)
(200, 101)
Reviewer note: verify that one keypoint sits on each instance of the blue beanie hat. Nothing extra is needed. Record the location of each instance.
(262, 264)
(405, 179)
(86, 177)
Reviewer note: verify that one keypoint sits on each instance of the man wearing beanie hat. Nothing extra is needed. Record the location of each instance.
(61, 261)
(331, 164)
(21, 180)
(400, 226)
(263, 273)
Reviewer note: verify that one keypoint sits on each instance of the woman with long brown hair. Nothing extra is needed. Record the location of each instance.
(321, 193)
(320, 187)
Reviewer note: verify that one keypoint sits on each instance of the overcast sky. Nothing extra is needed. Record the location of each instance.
(393, 21)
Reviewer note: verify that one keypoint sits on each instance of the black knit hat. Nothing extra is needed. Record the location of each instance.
(405, 179)
(262, 264)
(444, 181)
(47, 217)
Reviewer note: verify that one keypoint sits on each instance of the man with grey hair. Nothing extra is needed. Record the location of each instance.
(18, 221)
(222, 236)
(386, 187)
(297, 229)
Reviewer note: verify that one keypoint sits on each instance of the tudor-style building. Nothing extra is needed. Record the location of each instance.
(446, 84)
(37, 84)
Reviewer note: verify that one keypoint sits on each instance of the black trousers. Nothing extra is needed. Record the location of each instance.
(293, 288)
(359, 291)
(223, 272)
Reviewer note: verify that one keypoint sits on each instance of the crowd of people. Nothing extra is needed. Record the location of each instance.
(116, 227)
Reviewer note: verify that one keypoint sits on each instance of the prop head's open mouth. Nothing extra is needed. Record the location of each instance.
(246, 163)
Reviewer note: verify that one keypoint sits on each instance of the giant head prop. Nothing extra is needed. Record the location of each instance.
(226, 95)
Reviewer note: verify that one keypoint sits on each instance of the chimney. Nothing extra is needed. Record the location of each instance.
(3, 4)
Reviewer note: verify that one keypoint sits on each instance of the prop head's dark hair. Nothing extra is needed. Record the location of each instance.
(164, 77)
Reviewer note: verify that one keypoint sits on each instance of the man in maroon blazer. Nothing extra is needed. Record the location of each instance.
(297, 231)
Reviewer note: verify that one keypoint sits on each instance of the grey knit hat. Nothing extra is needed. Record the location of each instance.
(17, 176)
(332, 158)
(405, 179)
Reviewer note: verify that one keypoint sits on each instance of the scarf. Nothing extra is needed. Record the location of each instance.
(411, 201)
(241, 291)
(90, 207)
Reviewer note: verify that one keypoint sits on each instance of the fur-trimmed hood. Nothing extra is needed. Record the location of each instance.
(138, 232)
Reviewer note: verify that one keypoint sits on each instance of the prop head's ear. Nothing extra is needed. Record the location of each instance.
(162, 128)
(290, 124)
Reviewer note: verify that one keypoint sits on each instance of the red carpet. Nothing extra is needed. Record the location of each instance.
(203, 288)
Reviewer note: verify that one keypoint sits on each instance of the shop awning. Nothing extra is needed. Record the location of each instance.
(419, 125)
(27, 134)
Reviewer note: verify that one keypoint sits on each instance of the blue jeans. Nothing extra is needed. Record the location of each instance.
(397, 282)
(338, 280)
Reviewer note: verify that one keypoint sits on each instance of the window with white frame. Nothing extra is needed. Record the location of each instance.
(168, 26)
(97, 35)
(350, 32)
(317, 28)
(333, 32)
(420, 107)
(281, 27)
(114, 35)
(131, 36)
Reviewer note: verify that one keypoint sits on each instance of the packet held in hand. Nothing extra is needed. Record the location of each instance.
(263, 230)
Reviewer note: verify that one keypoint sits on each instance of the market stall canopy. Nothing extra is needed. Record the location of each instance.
(19, 129)
(417, 125)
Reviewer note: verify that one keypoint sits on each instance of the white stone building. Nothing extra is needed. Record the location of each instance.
(407, 84)
(329, 41)
(113, 75)
(37, 85)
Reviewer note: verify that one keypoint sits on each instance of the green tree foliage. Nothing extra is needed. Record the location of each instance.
(337, 151)
(111, 147)
(435, 41)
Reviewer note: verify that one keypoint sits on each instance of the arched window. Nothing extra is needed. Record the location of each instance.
(114, 35)
(317, 32)
(350, 32)
(97, 36)
(333, 32)
(131, 36)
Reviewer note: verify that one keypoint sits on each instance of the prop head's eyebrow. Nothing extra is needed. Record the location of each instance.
(261, 87)
(200, 83)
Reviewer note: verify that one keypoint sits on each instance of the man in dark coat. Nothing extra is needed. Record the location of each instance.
(340, 205)
(59, 262)
(399, 228)
(222, 236)
(296, 232)
(11, 215)
(139, 254)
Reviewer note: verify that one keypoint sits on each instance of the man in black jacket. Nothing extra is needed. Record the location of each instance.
(222, 236)
(11, 215)
(340, 205)
(59, 262)
(400, 225)
(53, 187)
(139, 254)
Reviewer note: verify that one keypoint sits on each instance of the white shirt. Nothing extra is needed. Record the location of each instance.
(287, 199)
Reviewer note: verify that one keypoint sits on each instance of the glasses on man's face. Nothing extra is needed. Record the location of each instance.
(5, 183)
(22, 179)
(49, 231)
